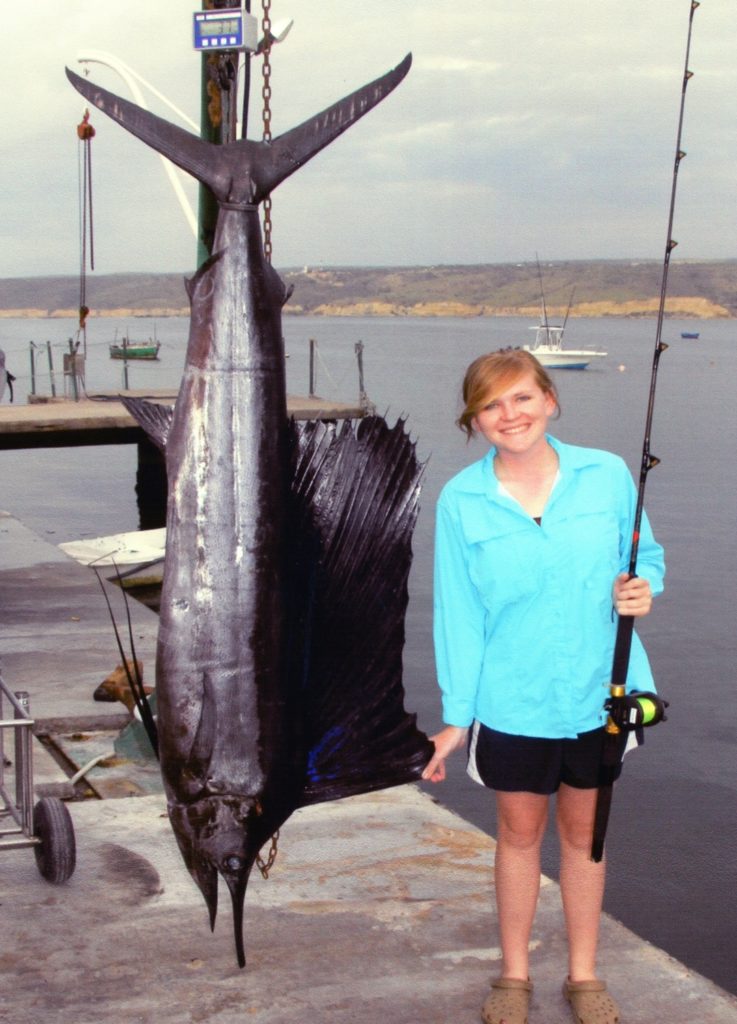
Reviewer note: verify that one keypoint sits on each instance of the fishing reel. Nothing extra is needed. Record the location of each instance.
(635, 710)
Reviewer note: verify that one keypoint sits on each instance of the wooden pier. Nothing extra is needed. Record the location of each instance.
(101, 419)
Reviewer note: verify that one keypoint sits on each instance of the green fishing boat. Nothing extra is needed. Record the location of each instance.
(126, 349)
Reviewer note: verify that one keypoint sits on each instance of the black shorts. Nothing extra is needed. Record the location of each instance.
(517, 764)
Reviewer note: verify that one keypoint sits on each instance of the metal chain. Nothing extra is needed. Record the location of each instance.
(266, 95)
(265, 866)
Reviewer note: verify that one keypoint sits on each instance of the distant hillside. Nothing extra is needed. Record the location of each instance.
(157, 294)
(594, 288)
(707, 289)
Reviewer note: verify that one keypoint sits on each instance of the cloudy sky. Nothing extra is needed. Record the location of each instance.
(524, 127)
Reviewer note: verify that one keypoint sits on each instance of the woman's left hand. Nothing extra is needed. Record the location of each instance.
(448, 740)
(632, 596)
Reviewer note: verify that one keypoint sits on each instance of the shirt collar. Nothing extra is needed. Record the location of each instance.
(482, 480)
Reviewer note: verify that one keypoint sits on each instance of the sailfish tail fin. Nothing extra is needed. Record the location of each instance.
(242, 171)
(294, 148)
(185, 150)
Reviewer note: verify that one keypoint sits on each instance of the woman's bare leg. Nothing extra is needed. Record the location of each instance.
(521, 825)
(581, 880)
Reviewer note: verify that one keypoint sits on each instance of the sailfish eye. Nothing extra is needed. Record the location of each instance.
(233, 863)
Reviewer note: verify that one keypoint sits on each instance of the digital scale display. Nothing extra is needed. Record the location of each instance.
(231, 29)
(226, 27)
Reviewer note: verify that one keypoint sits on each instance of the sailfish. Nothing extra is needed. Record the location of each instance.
(279, 653)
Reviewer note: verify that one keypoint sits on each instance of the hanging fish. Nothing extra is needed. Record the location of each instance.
(278, 673)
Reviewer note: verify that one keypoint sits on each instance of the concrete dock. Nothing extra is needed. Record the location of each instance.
(378, 908)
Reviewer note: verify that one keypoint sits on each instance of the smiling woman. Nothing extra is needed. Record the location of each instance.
(532, 549)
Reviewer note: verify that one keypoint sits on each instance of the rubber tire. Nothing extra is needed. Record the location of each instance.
(56, 854)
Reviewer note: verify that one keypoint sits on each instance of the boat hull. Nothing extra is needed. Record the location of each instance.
(134, 351)
(564, 359)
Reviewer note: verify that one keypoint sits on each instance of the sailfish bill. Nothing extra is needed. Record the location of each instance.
(279, 657)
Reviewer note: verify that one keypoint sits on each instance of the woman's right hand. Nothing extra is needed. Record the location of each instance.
(448, 740)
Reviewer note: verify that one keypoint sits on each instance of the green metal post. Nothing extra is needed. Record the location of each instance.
(219, 79)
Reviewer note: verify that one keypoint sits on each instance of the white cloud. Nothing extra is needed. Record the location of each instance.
(458, 65)
(544, 125)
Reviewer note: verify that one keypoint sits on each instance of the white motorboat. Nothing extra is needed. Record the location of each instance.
(548, 349)
(548, 344)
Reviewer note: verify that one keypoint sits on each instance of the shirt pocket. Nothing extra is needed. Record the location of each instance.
(504, 561)
(591, 539)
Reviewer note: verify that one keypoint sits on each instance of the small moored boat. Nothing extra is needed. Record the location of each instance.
(127, 349)
(548, 349)
(548, 344)
(689, 334)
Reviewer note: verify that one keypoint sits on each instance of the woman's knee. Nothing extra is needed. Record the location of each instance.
(575, 817)
(521, 819)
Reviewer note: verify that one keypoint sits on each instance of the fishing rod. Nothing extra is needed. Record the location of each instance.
(626, 713)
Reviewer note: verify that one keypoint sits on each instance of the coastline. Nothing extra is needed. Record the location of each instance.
(686, 307)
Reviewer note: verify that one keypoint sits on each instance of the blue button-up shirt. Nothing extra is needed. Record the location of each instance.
(524, 624)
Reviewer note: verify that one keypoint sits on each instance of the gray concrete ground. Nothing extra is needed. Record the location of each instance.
(379, 908)
(56, 638)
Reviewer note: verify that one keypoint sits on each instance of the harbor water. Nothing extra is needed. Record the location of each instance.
(673, 831)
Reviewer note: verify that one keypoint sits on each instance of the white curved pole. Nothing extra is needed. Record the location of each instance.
(131, 79)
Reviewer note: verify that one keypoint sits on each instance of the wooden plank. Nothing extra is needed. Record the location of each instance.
(101, 419)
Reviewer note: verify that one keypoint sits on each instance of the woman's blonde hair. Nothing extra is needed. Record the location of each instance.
(490, 375)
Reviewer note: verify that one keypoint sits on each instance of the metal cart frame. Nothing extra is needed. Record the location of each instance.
(46, 827)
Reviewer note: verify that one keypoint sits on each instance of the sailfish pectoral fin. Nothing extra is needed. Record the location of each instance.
(155, 419)
(243, 171)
